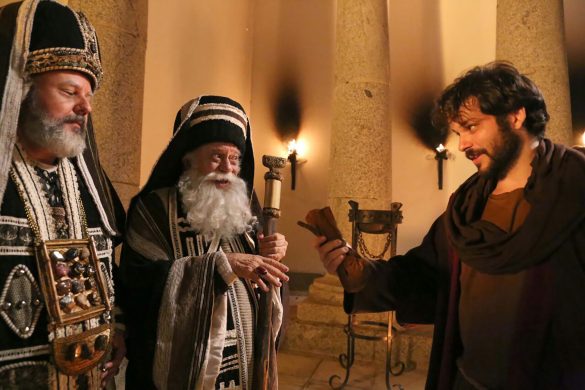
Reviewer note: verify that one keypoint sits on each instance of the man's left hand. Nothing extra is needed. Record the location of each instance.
(111, 368)
(273, 246)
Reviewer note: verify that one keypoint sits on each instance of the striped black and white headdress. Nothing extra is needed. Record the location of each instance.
(200, 121)
(213, 119)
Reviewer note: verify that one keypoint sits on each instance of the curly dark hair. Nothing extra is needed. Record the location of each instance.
(500, 90)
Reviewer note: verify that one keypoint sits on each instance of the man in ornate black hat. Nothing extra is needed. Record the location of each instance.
(192, 257)
(59, 214)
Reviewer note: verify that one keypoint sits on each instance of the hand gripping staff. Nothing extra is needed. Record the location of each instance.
(265, 373)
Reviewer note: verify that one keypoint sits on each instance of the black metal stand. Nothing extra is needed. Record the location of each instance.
(371, 222)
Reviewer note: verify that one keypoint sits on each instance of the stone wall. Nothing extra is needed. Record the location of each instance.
(121, 29)
(531, 35)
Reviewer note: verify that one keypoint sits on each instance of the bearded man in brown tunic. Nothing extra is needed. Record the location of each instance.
(501, 272)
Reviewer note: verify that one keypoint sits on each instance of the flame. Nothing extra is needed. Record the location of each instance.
(583, 138)
(440, 148)
(298, 146)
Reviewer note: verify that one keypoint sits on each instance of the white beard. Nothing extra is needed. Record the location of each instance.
(49, 133)
(212, 211)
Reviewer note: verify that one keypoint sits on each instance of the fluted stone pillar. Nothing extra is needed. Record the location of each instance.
(121, 28)
(360, 162)
(531, 35)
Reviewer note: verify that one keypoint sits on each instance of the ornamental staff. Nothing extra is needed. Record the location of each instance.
(266, 367)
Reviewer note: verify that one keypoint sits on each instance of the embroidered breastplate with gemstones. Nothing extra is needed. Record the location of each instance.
(71, 280)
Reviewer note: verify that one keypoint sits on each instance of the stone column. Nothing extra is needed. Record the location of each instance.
(121, 28)
(360, 163)
(531, 35)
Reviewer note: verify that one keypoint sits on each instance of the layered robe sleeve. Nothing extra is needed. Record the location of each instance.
(168, 302)
(421, 286)
(408, 284)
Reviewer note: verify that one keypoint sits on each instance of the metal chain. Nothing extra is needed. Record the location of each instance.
(364, 249)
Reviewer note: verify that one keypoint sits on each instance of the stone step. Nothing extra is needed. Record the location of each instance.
(319, 329)
(311, 311)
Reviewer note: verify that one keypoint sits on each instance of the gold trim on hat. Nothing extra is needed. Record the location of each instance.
(63, 58)
(86, 60)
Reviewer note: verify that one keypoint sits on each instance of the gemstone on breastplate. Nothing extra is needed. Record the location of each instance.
(57, 256)
(89, 271)
(61, 269)
(94, 298)
(77, 286)
(67, 303)
(84, 254)
(89, 284)
(78, 269)
(72, 253)
(64, 286)
(82, 301)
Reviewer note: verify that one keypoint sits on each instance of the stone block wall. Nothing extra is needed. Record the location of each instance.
(121, 27)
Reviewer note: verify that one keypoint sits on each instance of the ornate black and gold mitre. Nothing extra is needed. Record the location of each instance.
(63, 39)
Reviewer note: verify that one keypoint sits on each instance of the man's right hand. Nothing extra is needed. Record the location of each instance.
(258, 269)
(332, 253)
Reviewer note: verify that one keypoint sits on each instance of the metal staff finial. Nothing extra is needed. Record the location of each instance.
(273, 186)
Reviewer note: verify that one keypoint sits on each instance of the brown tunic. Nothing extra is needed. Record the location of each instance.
(489, 303)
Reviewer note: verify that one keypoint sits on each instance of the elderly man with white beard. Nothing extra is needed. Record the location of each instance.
(193, 261)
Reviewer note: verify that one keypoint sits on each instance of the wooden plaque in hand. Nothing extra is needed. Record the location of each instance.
(353, 272)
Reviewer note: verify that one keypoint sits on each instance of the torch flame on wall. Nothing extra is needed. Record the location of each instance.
(440, 155)
(299, 147)
(296, 149)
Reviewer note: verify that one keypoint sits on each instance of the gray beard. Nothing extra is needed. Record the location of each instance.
(48, 133)
(215, 212)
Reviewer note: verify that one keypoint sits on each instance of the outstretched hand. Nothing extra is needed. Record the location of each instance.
(258, 269)
(273, 246)
(332, 253)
